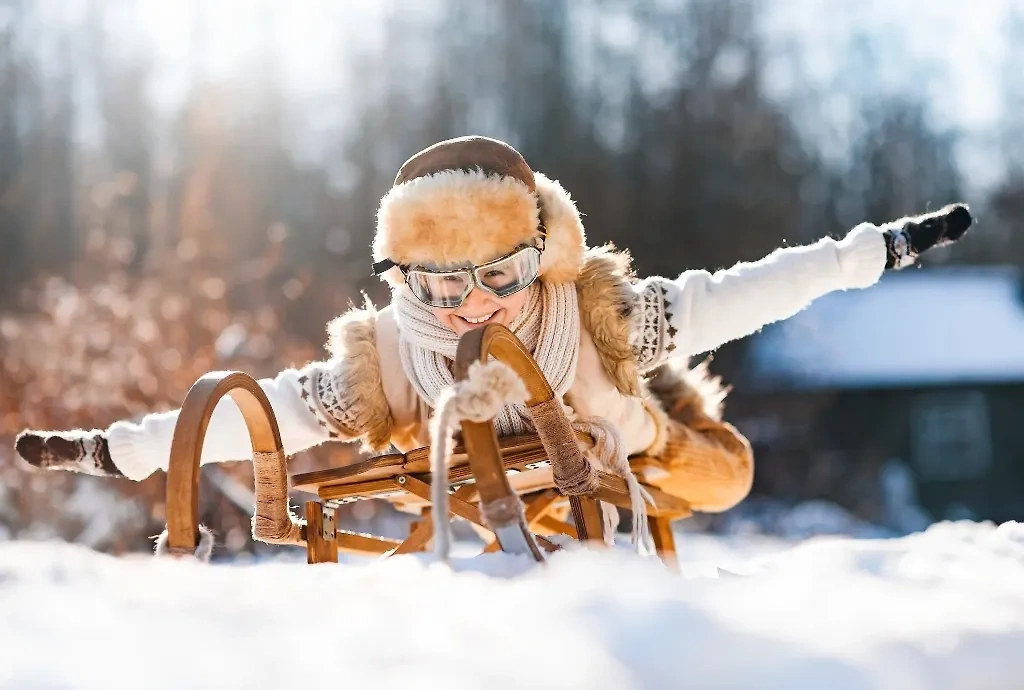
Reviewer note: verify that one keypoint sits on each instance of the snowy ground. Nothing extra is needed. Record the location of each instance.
(939, 609)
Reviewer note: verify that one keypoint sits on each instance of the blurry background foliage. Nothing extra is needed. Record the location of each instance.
(191, 186)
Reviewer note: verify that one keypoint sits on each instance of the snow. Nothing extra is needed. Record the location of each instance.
(943, 608)
(965, 325)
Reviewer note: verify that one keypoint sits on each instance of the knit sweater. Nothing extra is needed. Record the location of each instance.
(694, 313)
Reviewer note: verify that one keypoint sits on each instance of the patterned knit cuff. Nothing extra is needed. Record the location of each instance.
(654, 333)
(322, 401)
(346, 397)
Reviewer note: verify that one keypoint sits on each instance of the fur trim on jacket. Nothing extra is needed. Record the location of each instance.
(607, 310)
(352, 342)
(608, 307)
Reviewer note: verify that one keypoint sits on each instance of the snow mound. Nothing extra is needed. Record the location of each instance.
(942, 608)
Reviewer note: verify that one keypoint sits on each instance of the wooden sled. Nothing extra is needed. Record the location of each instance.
(509, 490)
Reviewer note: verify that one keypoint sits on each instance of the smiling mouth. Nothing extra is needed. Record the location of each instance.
(478, 319)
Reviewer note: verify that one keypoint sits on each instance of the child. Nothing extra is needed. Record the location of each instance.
(469, 235)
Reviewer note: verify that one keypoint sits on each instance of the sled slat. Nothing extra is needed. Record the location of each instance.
(457, 506)
(418, 538)
(379, 467)
(367, 489)
(462, 509)
(613, 489)
(386, 466)
(548, 525)
(353, 542)
(540, 505)
(522, 448)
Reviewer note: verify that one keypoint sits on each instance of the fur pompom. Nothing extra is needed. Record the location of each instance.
(488, 388)
(203, 550)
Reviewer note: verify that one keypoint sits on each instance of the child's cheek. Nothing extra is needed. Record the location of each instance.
(443, 315)
(513, 308)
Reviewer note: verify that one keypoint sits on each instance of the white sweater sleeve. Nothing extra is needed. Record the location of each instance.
(139, 448)
(700, 311)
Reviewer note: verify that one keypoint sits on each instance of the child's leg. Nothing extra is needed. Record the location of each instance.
(706, 462)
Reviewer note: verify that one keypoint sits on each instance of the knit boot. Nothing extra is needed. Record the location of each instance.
(85, 452)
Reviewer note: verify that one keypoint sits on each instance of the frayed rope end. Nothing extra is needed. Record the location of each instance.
(479, 397)
(202, 553)
(487, 388)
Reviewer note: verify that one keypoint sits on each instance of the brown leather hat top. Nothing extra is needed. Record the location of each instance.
(468, 153)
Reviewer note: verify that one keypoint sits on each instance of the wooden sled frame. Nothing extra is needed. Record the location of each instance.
(483, 473)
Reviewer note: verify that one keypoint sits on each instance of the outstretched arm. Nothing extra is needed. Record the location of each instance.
(137, 448)
(338, 399)
(715, 308)
(700, 311)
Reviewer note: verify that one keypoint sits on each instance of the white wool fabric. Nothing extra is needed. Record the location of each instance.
(549, 327)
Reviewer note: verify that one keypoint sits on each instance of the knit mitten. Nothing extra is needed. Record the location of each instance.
(905, 239)
(86, 452)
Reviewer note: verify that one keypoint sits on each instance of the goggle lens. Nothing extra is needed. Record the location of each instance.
(502, 278)
(446, 290)
(511, 274)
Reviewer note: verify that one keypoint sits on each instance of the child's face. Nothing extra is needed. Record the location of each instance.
(480, 309)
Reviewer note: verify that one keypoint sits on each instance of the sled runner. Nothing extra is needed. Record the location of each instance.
(510, 490)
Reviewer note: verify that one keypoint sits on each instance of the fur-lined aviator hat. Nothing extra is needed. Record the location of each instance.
(472, 199)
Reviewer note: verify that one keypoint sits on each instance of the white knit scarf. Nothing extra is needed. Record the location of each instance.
(549, 327)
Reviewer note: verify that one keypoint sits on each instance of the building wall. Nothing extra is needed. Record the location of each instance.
(965, 446)
(1008, 430)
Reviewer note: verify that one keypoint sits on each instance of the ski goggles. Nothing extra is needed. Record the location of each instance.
(502, 277)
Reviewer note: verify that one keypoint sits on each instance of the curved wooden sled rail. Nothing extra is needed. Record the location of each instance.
(574, 475)
(500, 510)
(273, 522)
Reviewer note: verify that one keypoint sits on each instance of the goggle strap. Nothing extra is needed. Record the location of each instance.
(383, 266)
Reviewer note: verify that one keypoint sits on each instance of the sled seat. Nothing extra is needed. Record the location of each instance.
(507, 489)
(404, 481)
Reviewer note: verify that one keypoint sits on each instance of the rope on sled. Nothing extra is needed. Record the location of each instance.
(478, 398)
(273, 522)
(574, 475)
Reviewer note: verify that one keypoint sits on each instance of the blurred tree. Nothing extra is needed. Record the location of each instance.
(900, 164)
(124, 199)
(1006, 202)
(715, 166)
(12, 236)
(1006, 213)
(37, 135)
